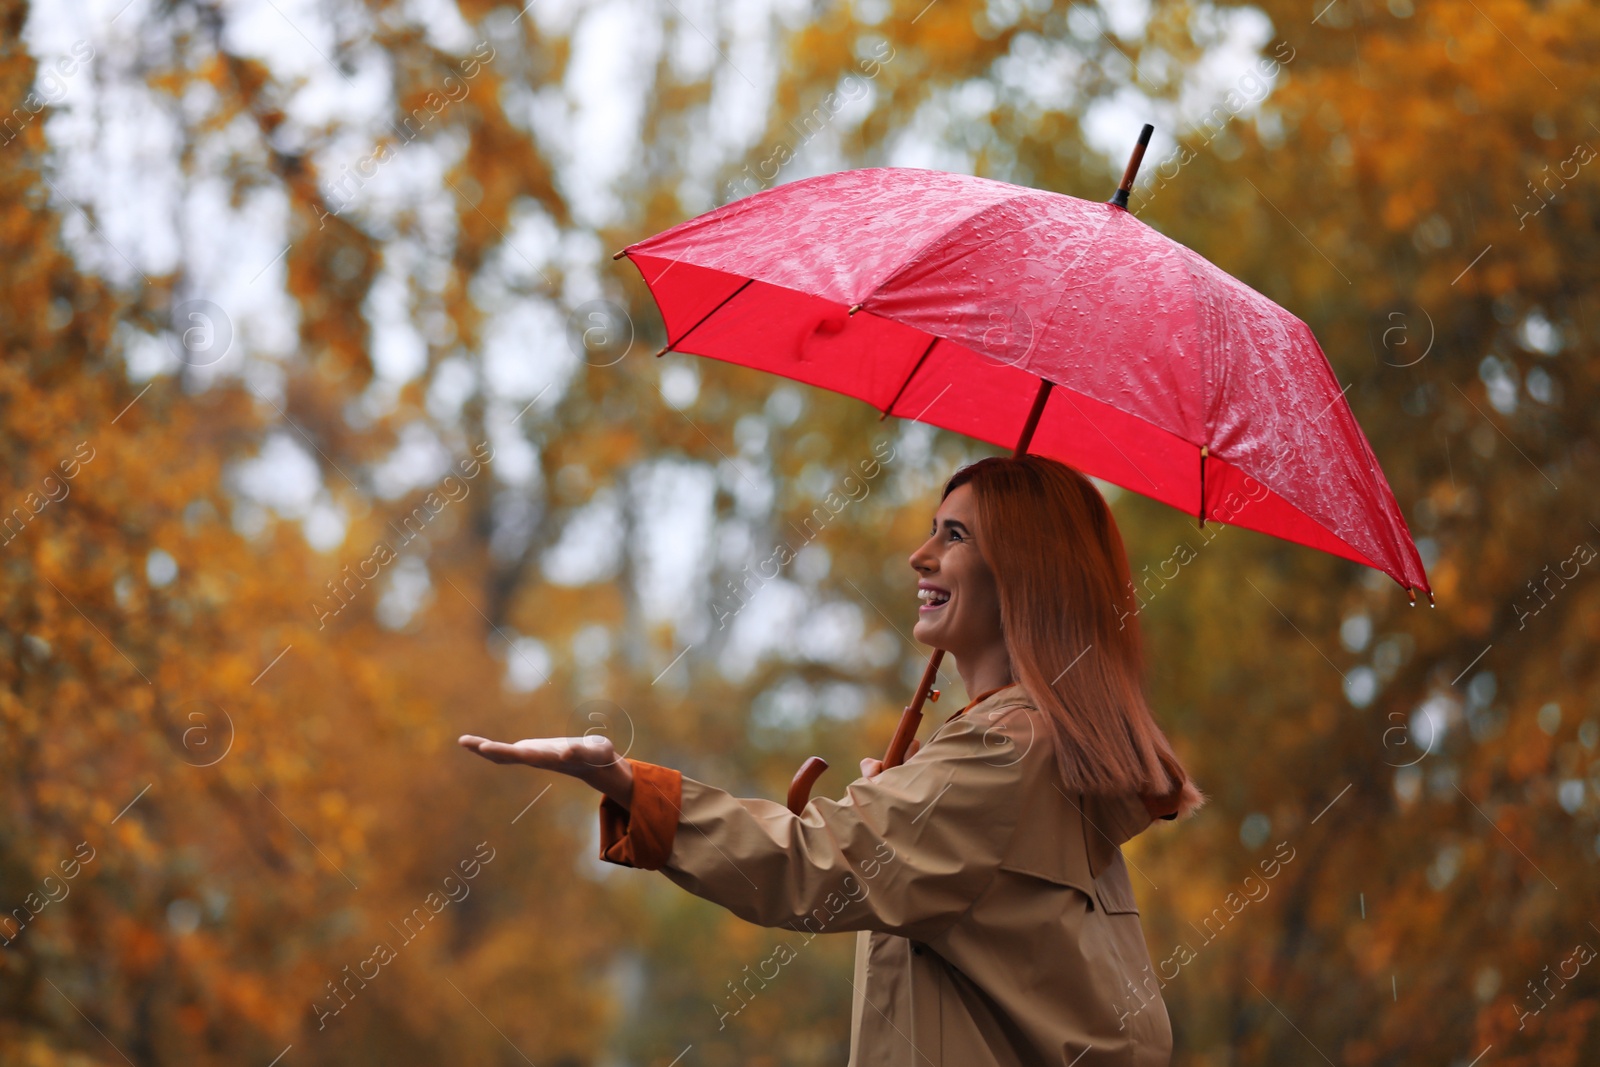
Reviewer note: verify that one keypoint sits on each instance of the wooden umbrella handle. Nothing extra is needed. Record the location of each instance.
(804, 779)
(910, 720)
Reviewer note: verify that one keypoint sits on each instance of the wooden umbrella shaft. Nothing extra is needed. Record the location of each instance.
(1025, 438)
(911, 718)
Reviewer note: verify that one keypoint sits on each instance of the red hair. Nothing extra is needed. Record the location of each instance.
(1065, 601)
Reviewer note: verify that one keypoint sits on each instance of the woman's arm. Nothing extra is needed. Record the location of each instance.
(906, 851)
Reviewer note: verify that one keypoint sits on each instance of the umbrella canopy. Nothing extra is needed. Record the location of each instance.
(949, 299)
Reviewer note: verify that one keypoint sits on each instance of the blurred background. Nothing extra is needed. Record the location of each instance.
(331, 430)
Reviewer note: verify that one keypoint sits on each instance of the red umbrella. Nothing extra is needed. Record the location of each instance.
(1005, 313)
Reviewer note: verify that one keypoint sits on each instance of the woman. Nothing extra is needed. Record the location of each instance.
(996, 920)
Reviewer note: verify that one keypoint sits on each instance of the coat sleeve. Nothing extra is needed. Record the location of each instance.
(905, 852)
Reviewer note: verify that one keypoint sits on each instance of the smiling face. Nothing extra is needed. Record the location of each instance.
(960, 610)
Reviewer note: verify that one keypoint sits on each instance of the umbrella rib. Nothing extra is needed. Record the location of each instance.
(914, 368)
(670, 345)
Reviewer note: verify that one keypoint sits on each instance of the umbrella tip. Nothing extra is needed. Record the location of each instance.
(619, 255)
(1430, 598)
(1412, 593)
(1120, 198)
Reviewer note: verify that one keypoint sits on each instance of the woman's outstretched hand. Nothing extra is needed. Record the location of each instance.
(592, 759)
(871, 768)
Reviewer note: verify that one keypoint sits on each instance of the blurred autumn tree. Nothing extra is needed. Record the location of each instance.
(393, 222)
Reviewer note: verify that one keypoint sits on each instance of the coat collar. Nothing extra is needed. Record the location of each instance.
(981, 697)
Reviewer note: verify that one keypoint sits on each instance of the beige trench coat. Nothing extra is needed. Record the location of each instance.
(994, 916)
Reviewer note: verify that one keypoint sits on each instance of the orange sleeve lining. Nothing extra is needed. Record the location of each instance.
(642, 837)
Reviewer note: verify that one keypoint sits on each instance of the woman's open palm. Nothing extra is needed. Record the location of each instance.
(592, 759)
